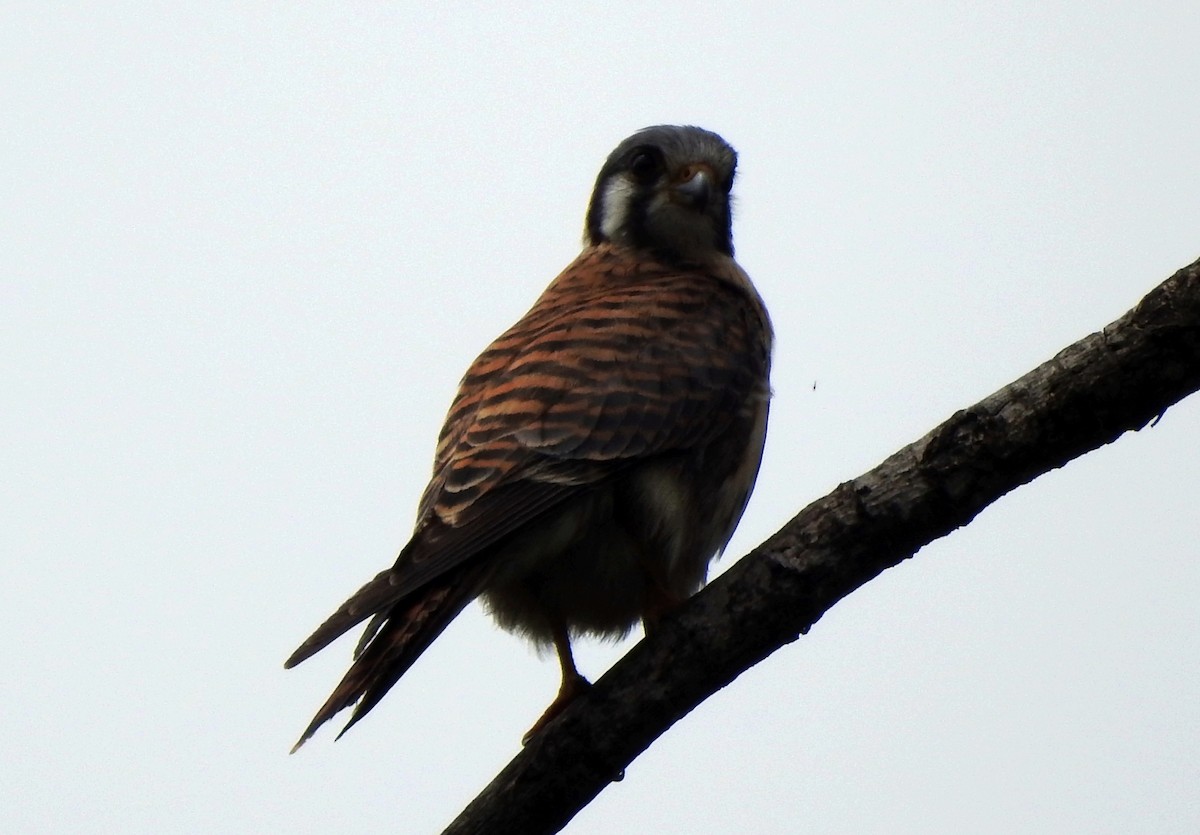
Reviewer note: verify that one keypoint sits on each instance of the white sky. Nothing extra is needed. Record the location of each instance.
(246, 252)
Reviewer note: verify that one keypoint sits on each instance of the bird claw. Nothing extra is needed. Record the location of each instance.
(571, 688)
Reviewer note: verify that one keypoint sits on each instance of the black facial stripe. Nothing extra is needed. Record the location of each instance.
(635, 218)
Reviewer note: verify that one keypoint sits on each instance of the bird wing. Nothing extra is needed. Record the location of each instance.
(621, 358)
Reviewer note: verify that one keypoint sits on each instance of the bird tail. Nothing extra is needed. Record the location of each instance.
(393, 642)
(375, 598)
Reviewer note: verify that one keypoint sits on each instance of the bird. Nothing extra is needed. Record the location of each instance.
(598, 454)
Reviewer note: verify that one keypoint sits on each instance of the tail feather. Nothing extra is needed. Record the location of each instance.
(370, 632)
(372, 599)
(404, 632)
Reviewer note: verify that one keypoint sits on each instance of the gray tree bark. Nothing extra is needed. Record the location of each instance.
(1113, 381)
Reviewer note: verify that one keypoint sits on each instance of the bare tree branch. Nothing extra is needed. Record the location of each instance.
(1091, 393)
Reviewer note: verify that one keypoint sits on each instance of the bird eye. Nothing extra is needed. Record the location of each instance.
(644, 164)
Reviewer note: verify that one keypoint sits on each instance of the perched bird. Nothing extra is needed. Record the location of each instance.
(599, 454)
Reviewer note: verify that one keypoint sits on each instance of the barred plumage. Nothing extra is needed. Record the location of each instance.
(601, 451)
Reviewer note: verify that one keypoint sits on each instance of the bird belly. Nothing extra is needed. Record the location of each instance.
(610, 556)
(577, 567)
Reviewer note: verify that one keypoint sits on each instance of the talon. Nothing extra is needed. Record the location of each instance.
(572, 687)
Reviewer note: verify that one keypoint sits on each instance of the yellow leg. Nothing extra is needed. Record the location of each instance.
(572, 685)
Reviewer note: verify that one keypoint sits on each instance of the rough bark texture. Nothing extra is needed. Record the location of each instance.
(1108, 383)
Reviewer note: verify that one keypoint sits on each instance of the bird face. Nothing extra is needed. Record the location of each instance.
(666, 190)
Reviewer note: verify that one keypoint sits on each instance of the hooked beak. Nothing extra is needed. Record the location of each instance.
(694, 186)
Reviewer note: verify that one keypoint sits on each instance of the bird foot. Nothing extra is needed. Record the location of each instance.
(571, 688)
(660, 606)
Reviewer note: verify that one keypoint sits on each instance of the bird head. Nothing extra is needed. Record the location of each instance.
(666, 189)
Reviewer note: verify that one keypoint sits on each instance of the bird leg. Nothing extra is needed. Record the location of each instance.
(573, 684)
(659, 604)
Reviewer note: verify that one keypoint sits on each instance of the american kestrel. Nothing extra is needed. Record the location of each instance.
(599, 454)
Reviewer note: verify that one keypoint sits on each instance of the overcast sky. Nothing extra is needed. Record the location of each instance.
(247, 250)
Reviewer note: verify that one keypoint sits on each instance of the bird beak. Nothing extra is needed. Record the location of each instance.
(694, 186)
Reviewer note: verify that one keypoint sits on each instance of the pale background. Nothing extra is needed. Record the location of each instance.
(246, 251)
